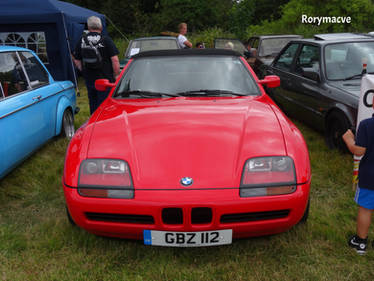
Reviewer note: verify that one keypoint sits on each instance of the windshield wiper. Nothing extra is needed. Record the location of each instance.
(146, 94)
(209, 93)
(358, 75)
(272, 55)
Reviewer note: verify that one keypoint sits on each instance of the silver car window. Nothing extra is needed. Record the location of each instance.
(343, 60)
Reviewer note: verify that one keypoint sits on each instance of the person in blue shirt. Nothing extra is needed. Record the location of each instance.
(363, 146)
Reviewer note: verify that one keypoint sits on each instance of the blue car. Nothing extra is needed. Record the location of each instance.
(33, 107)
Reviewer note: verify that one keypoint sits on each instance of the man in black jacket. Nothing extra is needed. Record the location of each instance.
(97, 57)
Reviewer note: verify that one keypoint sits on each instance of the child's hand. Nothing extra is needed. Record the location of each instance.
(348, 137)
(349, 140)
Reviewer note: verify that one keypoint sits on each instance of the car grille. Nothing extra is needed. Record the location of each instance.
(257, 216)
(121, 218)
(172, 216)
(199, 215)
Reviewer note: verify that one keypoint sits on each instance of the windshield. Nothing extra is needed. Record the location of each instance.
(345, 60)
(272, 46)
(138, 46)
(233, 44)
(187, 75)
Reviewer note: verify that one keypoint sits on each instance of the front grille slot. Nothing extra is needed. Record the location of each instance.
(172, 216)
(257, 216)
(201, 215)
(121, 218)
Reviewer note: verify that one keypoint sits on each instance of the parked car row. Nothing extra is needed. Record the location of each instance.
(188, 149)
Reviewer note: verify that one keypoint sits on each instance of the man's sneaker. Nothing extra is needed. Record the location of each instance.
(358, 244)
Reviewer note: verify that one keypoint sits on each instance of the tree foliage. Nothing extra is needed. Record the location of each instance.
(154, 16)
(241, 15)
(360, 11)
(242, 18)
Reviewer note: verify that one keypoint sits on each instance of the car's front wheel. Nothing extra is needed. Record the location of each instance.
(306, 213)
(337, 125)
(67, 129)
(70, 219)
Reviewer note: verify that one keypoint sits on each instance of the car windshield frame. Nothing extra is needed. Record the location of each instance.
(133, 49)
(177, 73)
(224, 43)
(268, 39)
(348, 61)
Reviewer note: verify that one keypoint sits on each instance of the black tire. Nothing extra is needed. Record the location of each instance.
(67, 128)
(337, 125)
(306, 213)
(70, 219)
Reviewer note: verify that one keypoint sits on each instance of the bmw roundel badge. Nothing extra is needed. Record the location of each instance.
(186, 181)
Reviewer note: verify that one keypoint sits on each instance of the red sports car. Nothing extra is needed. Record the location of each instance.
(187, 150)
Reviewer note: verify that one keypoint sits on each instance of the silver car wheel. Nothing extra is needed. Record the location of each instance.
(68, 124)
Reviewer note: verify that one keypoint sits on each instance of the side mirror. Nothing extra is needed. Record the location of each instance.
(270, 81)
(313, 75)
(103, 84)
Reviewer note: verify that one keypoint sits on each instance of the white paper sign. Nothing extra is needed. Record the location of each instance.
(365, 110)
(134, 51)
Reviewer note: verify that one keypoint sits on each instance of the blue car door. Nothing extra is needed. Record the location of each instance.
(45, 94)
(25, 121)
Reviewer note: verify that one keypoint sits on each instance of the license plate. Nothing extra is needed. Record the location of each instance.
(187, 239)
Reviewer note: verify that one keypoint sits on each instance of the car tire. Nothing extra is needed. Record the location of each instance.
(67, 128)
(70, 219)
(306, 214)
(337, 125)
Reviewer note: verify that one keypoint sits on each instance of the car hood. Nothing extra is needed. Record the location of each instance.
(165, 140)
(351, 86)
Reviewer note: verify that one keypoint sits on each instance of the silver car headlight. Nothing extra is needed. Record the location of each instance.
(266, 176)
(105, 178)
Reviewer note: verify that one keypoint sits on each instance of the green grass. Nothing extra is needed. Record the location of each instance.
(38, 243)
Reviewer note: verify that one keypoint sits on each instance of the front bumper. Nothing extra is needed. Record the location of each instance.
(187, 211)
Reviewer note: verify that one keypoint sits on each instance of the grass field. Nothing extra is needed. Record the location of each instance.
(38, 243)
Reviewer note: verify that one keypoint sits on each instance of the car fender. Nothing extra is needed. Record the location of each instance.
(342, 109)
(62, 105)
(76, 153)
(296, 146)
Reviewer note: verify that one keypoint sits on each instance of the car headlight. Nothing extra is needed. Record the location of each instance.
(106, 178)
(266, 176)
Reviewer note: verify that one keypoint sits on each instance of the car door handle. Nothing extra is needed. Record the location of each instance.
(286, 80)
(37, 98)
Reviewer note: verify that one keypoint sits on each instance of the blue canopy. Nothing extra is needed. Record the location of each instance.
(51, 27)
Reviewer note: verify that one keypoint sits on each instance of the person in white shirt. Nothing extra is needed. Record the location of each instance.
(182, 39)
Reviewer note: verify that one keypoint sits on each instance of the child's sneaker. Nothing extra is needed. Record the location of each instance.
(358, 244)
